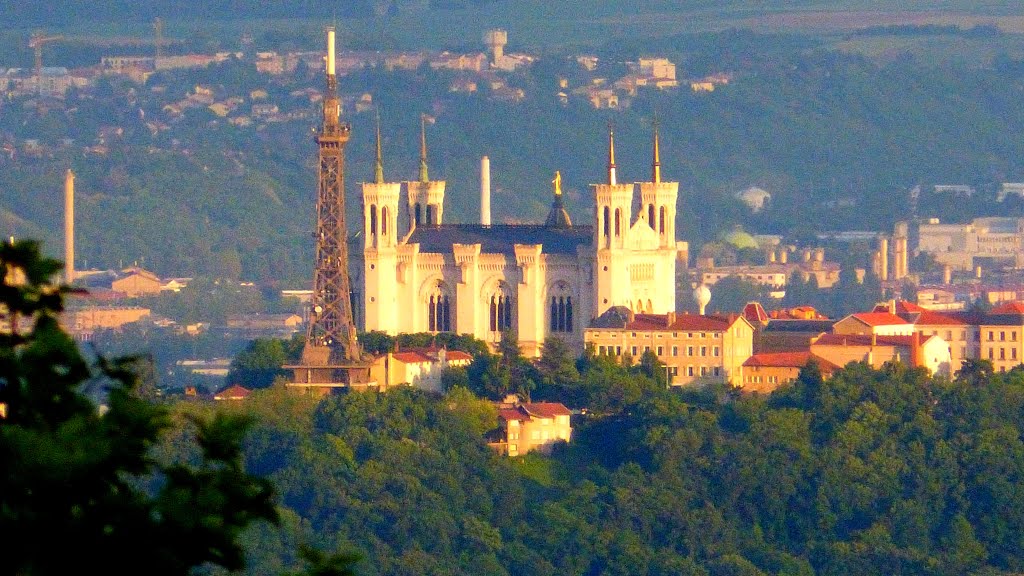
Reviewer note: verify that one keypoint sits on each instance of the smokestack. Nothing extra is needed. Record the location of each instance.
(883, 258)
(947, 274)
(784, 256)
(330, 51)
(69, 226)
(485, 191)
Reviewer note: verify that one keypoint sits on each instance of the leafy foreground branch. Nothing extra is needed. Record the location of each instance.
(80, 489)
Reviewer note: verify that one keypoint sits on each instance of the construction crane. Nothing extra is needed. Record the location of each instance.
(36, 42)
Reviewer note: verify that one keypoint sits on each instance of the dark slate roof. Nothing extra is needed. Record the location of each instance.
(558, 217)
(614, 317)
(501, 238)
(776, 325)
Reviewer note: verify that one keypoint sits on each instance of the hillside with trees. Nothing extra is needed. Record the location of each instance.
(839, 139)
(870, 472)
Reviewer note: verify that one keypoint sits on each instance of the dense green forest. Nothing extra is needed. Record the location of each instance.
(870, 472)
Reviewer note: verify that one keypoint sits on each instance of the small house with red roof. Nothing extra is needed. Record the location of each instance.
(876, 323)
(529, 426)
(233, 393)
(765, 372)
(422, 367)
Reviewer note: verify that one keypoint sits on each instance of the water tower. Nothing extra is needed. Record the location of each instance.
(702, 295)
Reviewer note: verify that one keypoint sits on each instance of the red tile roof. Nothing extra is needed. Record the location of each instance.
(683, 322)
(930, 318)
(234, 392)
(863, 340)
(788, 360)
(429, 355)
(546, 409)
(879, 318)
(901, 307)
(530, 410)
(754, 312)
(1009, 308)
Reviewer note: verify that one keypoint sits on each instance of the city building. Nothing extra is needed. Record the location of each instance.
(538, 280)
(764, 372)
(1001, 336)
(958, 334)
(82, 323)
(842, 349)
(873, 323)
(422, 367)
(695, 349)
(134, 282)
(985, 242)
(531, 426)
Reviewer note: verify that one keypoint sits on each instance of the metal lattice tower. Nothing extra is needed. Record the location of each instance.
(330, 323)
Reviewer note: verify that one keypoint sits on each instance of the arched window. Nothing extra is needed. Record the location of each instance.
(661, 221)
(430, 215)
(650, 215)
(607, 223)
(650, 307)
(417, 215)
(500, 311)
(384, 221)
(561, 308)
(618, 222)
(439, 311)
(373, 219)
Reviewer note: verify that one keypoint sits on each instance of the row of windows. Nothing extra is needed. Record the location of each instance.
(561, 314)
(764, 380)
(1002, 353)
(1002, 335)
(660, 350)
(714, 335)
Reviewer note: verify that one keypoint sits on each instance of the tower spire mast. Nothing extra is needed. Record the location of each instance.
(378, 171)
(423, 148)
(656, 164)
(331, 326)
(611, 153)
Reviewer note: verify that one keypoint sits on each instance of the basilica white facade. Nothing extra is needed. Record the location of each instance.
(537, 280)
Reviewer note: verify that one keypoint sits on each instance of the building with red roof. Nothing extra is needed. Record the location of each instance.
(235, 393)
(422, 367)
(841, 349)
(877, 323)
(694, 348)
(953, 328)
(525, 427)
(765, 372)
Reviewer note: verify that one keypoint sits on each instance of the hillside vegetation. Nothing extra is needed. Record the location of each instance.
(871, 472)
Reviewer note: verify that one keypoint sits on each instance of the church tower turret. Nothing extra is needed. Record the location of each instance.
(658, 200)
(426, 197)
(658, 210)
(380, 242)
(613, 204)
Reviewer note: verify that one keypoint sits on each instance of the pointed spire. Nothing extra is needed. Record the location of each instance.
(423, 148)
(656, 164)
(378, 173)
(611, 153)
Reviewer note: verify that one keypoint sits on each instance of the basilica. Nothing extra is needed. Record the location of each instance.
(535, 280)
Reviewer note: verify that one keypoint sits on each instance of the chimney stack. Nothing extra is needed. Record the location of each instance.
(947, 274)
(883, 258)
(784, 256)
(69, 226)
(485, 191)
